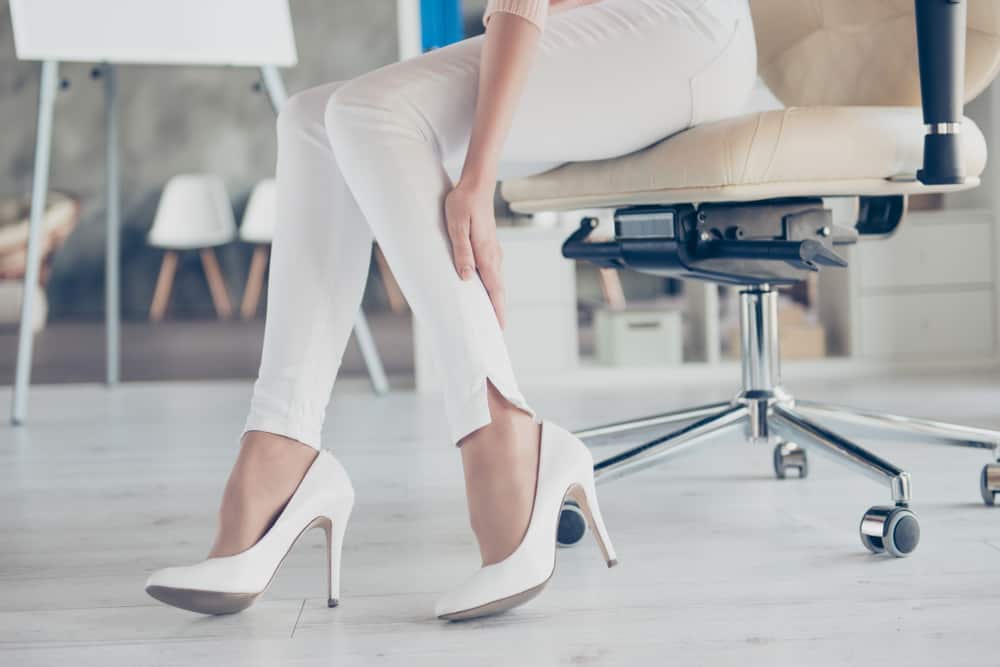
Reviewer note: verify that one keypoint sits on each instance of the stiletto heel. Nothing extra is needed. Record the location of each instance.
(585, 495)
(335, 530)
(226, 585)
(565, 468)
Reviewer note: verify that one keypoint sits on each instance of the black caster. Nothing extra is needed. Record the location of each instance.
(989, 483)
(572, 525)
(891, 530)
(789, 456)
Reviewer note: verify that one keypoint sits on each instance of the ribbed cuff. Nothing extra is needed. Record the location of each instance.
(535, 11)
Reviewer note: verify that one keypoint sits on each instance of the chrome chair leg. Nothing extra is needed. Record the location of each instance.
(796, 428)
(884, 529)
(655, 451)
(953, 434)
(933, 431)
(721, 419)
(624, 427)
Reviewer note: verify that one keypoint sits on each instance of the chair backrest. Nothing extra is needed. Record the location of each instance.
(860, 52)
(194, 212)
(261, 213)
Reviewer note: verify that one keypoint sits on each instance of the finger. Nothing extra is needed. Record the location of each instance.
(461, 248)
(492, 277)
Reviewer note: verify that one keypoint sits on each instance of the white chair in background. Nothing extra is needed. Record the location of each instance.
(257, 228)
(194, 214)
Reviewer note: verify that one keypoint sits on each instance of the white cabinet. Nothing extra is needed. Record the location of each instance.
(931, 249)
(928, 293)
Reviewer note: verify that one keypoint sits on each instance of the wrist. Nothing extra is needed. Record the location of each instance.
(478, 182)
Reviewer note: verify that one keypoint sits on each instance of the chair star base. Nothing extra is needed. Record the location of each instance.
(766, 413)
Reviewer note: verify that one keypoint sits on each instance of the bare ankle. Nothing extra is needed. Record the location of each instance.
(272, 445)
(266, 473)
(501, 470)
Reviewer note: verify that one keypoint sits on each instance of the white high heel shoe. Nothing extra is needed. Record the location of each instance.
(565, 468)
(228, 584)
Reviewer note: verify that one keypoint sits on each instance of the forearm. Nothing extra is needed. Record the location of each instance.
(509, 48)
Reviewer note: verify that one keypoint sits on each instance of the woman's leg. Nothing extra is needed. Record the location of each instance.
(319, 265)
(610, 78)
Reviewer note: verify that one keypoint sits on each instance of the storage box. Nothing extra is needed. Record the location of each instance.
(639, 336)
(803, 341)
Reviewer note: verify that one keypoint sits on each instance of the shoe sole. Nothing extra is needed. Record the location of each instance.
(202, 602)
(497, 606)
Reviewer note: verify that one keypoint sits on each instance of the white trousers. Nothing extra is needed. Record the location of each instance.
(368, 160)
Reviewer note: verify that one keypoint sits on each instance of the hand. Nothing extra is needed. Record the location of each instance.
(472, 229)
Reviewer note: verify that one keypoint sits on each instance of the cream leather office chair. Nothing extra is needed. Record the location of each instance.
(739, 202)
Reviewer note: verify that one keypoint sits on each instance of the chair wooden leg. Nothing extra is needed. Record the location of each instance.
(397, 302)
(164, 285)
(611, 287)
(216, 285)
(255, 282)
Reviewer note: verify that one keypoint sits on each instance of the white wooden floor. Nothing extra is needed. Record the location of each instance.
(721, 564)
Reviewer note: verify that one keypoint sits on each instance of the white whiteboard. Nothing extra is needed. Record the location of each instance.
(169, 32)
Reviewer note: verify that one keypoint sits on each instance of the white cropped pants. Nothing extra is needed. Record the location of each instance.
(368, 159)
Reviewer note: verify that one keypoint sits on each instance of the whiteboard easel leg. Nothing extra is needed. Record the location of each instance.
(48, 86)
(275, 88)
(376, 373)
(409, 28)
(112, 259)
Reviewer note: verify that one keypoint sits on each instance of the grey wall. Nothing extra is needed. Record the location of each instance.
(174, 120)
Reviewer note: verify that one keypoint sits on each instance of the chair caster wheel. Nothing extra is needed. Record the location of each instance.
(989, 483)
(572, 525)
(789, 456)
(891, 530)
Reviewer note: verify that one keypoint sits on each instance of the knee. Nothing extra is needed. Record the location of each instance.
(302, 113)
(353, 104)
(363, 106)
(293, 115)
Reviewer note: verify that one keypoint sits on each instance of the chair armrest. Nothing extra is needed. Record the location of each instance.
(941, 27)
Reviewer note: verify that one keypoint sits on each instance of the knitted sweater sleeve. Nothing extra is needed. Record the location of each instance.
(535, 11)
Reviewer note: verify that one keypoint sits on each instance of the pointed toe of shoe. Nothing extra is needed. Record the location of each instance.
(458, 602)
(169, 584)
(443, 607)
(176, 587)
(450, 604)
(166, 585)
(168, 577)
(492, 590)
(461, 607)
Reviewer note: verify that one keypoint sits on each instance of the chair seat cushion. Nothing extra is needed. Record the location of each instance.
(794, 152)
